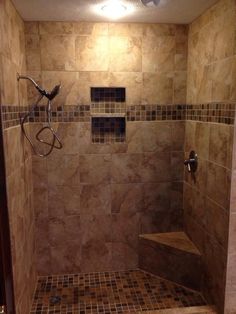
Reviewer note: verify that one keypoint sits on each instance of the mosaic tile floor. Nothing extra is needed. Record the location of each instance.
(110, 292)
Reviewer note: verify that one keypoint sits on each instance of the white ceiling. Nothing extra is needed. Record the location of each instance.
(168, 11)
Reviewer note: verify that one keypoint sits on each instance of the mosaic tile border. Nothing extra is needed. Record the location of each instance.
(211, 112)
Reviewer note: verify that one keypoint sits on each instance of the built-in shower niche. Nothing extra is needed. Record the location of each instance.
(108, 111)
(108, 130)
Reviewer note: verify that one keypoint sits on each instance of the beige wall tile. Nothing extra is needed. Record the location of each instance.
(157, 88)
(179, 92)
(70, 84)
(133, 81)
(56, 28)
(126, 29)
(125, 54)
(33, 61)
(88, 29)
(57, 52)
(92, 53)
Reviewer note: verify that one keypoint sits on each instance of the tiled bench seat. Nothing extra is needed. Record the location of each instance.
(172, 256)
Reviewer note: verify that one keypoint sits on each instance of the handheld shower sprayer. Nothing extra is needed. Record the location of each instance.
(55, 143)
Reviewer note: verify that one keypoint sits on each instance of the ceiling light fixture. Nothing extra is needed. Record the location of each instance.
(150, 3)
(113, 9)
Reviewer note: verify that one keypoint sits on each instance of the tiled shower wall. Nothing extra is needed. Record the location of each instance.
(135, 56)
(18, 158)
(92, 201)
(211, 78)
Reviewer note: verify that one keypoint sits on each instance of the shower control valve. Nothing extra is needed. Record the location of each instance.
(192, 162)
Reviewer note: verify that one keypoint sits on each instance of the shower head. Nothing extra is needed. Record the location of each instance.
(55, 91)
(50, 95)
(150, 3)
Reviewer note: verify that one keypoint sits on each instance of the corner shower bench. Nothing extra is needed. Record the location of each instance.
(172, 256)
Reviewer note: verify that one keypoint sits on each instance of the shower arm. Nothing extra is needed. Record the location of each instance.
(24, 77)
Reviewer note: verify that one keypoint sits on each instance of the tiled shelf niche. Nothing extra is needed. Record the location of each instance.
(108, 130)
(108, 111)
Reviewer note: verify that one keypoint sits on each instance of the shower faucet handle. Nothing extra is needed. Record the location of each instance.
(192, 162)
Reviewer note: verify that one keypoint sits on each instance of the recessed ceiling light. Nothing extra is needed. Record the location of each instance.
(113, 9)
(150, 3)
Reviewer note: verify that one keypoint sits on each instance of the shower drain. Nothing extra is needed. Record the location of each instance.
(55, 299)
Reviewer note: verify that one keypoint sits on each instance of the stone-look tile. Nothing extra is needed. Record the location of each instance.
(180, 87)
(92, 53)
(205, 84)
(9, 93)
(85, 144)
(57, 52)
(176, 201)
(41, 202)
(181, 61)
(32, 46)
(88, 29)
(215, 263)
(43, 256)
(32, 92)
(126, 168)
(177, 170)
(40, 175)
(159, 30)
(56, 28)
(158, 55)
(126, 29)
(68, 133)
(222, 77)
(148, 137)
(69, 94)
(13, 141)
(218, 192)
(63, 201)
(177, 135)
(124, 256)
(132, 81)
(126, 229)
(62, 229)
(217, 220)
(161, 221)
(31, 28)
(66, 258)
(95, 169)
(63, 170)
(125, 54)
(200, 177)
(224, 36)
(202, 145)
(190, 131)
(17, 158)
(156, 196)
(42, 233)
(157, 93)
(220, 150)
(91, 79)
(156, 167)
(127, 198)
(95, 199)
(96, 251)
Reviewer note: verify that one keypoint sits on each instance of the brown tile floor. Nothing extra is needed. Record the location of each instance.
(110, 292)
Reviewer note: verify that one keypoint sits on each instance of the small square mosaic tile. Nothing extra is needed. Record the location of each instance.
(110, 292)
